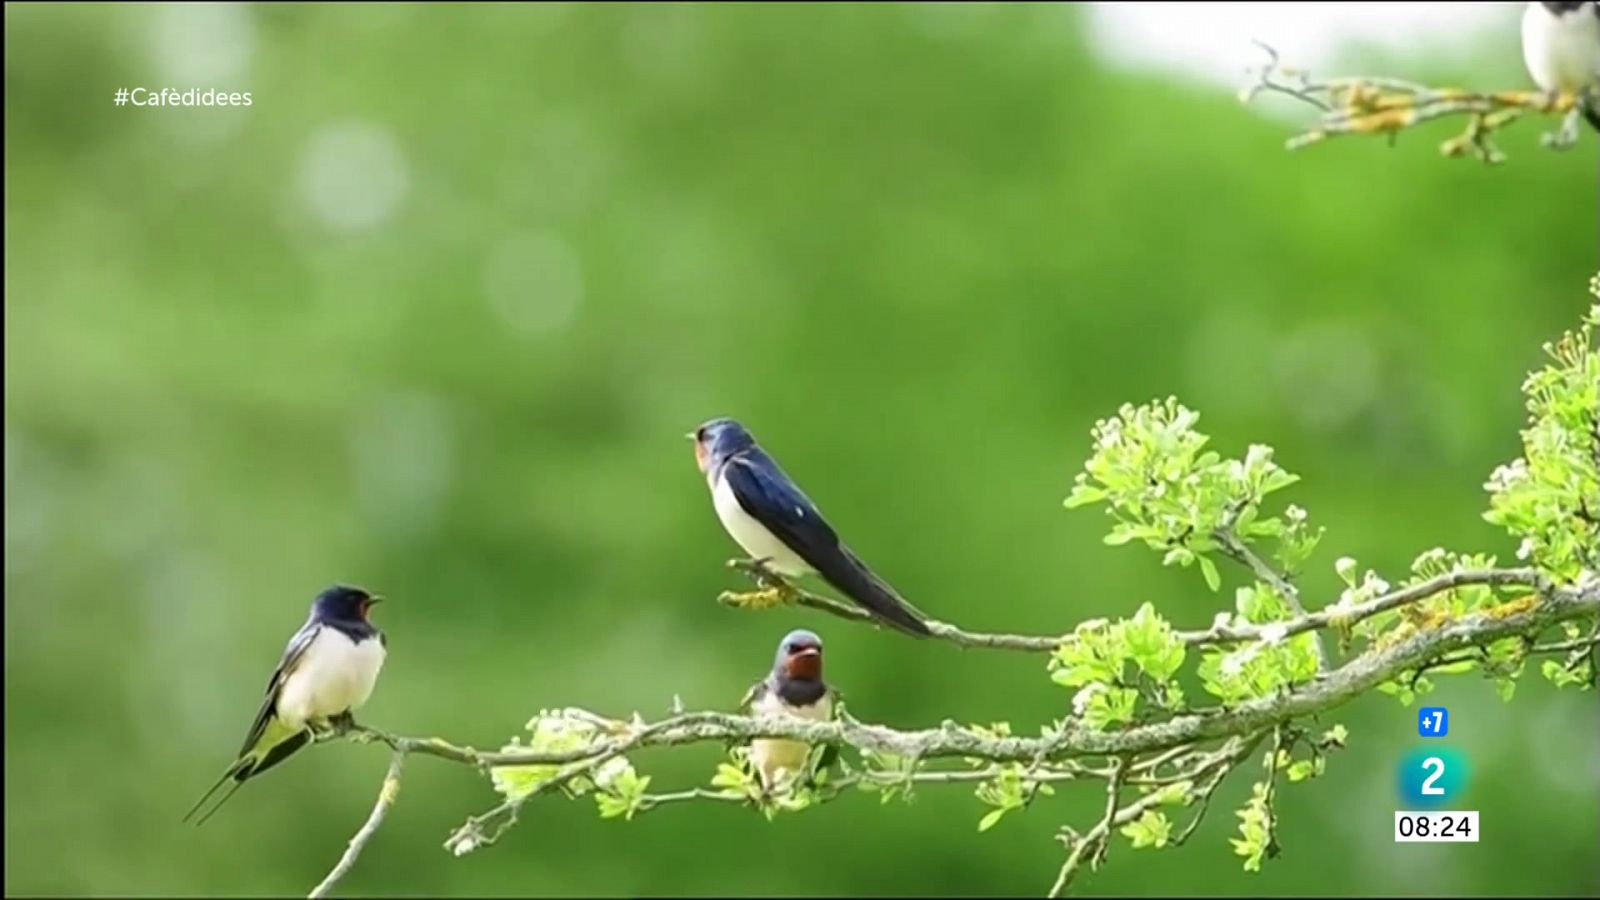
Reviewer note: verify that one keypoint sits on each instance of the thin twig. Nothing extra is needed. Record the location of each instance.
(471, 835)
(1245, 748)
(651, 801)
(1219, 763)
(386, 797)
(1114, 785)
(1156, 762)
(1271, 792)
(1240, 552)
(1565, 646)
(1217, 634)
(1376, 105)
(1094, 843)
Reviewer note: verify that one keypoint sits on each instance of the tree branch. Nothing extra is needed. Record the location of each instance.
(1072, 740)
(380, 809)
(1052, 756)
(1374, 105)
(1217, 634)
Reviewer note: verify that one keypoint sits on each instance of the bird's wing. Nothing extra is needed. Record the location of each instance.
(292, 655)
(756, 692)
(772, 499)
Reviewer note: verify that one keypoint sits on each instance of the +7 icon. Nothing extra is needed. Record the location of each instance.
(1433, 721)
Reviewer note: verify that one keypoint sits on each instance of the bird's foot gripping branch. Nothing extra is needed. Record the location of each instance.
(1156, 716)
(772, 589)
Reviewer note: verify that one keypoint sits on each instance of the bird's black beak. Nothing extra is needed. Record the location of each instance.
(374, 599)
(690, 435)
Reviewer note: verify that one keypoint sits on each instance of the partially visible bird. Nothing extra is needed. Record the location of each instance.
(327, 672)
(794, 687)
(1561, 48)
(768, 515)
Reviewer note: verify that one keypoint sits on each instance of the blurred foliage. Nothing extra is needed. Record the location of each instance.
(433, 314)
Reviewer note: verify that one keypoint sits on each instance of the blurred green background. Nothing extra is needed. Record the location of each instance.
(433, 315)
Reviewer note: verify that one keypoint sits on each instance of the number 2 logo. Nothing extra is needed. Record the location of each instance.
(1436, 765)
(1431, 778)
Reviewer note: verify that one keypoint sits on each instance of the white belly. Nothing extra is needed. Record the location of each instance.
(752, 535)
(335, 675)
(778, 760)
(1561, 54)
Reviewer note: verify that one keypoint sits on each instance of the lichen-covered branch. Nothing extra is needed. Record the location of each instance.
(386, 797)
(1369, 105)
(952, 740)
(1056, 755)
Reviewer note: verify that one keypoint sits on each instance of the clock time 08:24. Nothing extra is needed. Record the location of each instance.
(1442, 826)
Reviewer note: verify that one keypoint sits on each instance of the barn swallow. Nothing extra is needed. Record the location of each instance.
(768, 515)
(326, 673)
(795, 688)
(1561, 48)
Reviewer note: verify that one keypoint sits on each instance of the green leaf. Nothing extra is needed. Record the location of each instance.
(1177, 794)
(1561, 676)
(1180, 555)
(734, 779)
(1345, 567)
(1152, 644)
(1209, 570)
(1150, 830)
(1264, 528)
(1083, 495)
(1399, 691)
(989, 820)
(1505, 687)
(1121, 534)
(1278, 480)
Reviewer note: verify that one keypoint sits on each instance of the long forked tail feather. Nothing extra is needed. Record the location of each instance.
(246, 767)
(862, 585)
(239, 772)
